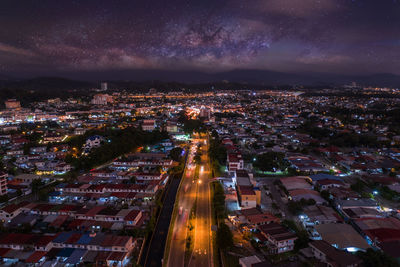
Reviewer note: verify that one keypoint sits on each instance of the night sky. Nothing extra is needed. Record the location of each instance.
(44, 37)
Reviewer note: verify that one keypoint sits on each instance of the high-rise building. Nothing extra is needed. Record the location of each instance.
(3, 183)
(104, 86)
(102, 99)
(205, 113)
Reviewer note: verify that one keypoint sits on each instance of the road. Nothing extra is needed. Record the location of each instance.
(186, 200)
(202, 251)
(189, 191)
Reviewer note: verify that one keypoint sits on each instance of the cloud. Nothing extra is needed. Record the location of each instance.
(324, 59)
(14, 50)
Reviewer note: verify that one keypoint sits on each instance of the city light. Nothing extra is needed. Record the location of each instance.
(197, 133)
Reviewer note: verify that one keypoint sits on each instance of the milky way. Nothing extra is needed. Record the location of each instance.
(211, 35)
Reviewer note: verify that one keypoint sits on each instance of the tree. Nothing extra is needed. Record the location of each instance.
(36, 184)
(197, 158)
(358, 186)
(302, 235)
(376, 258)
(325, 195)
(219, 200)
(302, 240)
(224, 237)
(3, 198)
(271, 161)
(176, 153)
(217, 151)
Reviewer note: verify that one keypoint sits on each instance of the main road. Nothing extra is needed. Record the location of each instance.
(186, 198)
(202, 251)
(190, 190)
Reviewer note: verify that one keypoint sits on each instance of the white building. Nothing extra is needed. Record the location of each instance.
(92, 142)
(102, 99)
(104, 86)
(3, 183)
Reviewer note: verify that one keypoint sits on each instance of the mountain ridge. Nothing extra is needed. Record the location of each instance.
(259, 77)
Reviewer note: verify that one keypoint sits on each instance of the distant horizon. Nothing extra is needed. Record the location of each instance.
(249, 76)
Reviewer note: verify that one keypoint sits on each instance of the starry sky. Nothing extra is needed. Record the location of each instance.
(43, 37)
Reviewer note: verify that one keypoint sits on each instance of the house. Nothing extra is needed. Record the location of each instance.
(331, 256)
(38, 150)
(12, 210)
(247, 196)
(379, 231)
(307, 194)
(296, 182)
(342, 204)
(172, 127)
(235, 161)
(328, 183)
(92, 142)
(342, 193)
(148, 125)
(342, 236)
(254, 217)
(279, 238)
(79, 131)
(262, 218)
(361, 212)
(318, 214)
(250, 261)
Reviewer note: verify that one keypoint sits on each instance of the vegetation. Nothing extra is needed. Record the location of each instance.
(224, 237)
(218, 200)
(388, 193)
(121, 141)
(217, 154)
(358, 186)
(376, 258)
(271, 161)
(154, 215)
(302, 236)
(191, 125)
(340, 139)
(176, 153)
(296, 207)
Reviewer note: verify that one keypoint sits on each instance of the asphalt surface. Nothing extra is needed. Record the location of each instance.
(186, 200)
(202, 251)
